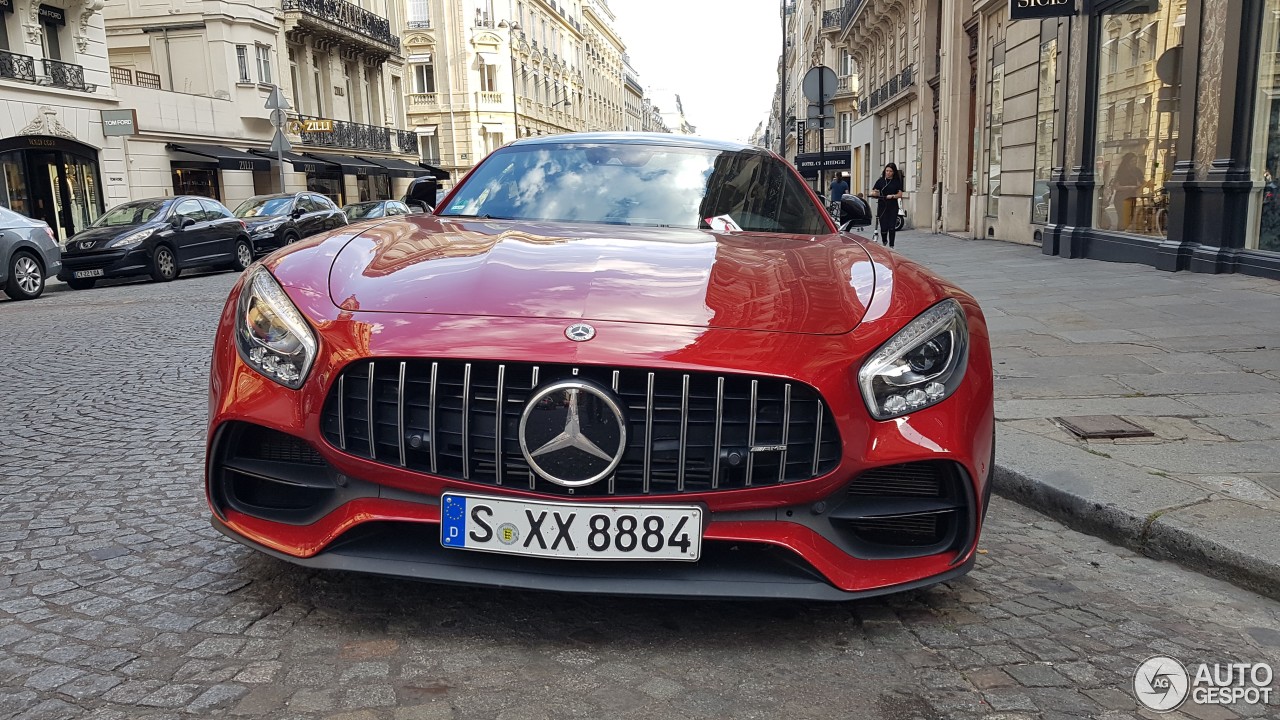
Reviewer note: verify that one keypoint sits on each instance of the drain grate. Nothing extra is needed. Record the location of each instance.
(1102, 427)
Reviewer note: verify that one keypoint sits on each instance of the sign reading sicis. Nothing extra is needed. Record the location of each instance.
(1039, 9)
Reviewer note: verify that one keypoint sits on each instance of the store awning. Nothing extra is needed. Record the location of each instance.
(350, 165)
(226, 158)
(397, 167)
(302, 164)
(435, 172)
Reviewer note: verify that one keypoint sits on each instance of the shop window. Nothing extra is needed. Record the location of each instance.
(1265, 211)
(1135, 148)
(1046, 120)
(192, 180)
(995, 133)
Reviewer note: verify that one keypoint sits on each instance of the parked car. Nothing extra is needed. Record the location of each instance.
(423, 194)
(28, 255)
(375, 209)
(613, 363)
(282, 218)
(159, 237)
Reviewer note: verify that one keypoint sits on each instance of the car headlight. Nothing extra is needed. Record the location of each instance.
(271, 334)
(268, 228)
(920, 366)
(134, 239)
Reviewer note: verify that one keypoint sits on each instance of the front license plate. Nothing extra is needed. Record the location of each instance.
(88, 273)
(577, 531)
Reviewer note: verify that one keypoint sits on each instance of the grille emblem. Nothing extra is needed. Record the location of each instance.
(86, 244)
(580, 332)
(572, 433)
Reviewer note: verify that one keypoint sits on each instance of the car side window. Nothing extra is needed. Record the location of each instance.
(309, 205)
(213, 210)
(400, 208)
(324, 203)
(190, 209)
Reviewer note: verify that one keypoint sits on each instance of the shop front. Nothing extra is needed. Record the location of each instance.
(1173, 137)
(53, 179)
(363, 180)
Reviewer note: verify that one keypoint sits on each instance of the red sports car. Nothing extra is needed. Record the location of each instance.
(609, 363)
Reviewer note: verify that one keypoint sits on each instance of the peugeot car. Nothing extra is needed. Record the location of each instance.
(157, 237)
(277, 220)
(608, 363)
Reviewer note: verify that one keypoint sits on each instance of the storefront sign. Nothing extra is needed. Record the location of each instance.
(815, 161)
(297, 127)
(1039, 9)
(50, 14)
(119, 122)
(799, 136)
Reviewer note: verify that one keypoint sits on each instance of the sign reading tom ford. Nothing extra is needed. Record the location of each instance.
(119, 122)
(1038, 9)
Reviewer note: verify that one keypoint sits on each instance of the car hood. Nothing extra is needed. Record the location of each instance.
(102, 236)
(253, 223)
(428, 264)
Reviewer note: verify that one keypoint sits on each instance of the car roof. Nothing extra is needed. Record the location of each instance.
(637, 138)
(278, 195)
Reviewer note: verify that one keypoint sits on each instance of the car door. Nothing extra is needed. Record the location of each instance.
(224, 228)
(333, 215)
(313, 215)
(190, 239)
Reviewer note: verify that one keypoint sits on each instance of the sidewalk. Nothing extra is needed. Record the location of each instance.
(1193, 358)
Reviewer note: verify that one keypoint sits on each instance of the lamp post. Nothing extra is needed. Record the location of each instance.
(511, 47)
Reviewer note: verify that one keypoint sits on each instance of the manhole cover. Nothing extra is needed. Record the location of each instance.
(1099, 427)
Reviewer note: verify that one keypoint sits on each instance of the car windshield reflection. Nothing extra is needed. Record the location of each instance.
(264, 207)
(134, 213)
(647, 185)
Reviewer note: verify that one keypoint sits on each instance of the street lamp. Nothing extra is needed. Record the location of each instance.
(511, 48)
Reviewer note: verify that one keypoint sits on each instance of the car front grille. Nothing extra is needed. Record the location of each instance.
(686, 431)
(93, 260)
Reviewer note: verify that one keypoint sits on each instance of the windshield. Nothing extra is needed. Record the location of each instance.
(264, 207)
(363, 210)
(134, 213)
(651, 185)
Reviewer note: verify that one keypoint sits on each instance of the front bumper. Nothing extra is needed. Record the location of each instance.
(790, 540)
(112, 262)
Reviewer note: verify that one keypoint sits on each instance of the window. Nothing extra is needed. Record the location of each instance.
(49, 34)
(845, 128)
(194, 180)
(189, 209)
(429, 147)
(995, 136)
(1264, 211)
(1135, 145)
(424, 78)
(420, 11)
(242, 63)
(214, 210)
(1046, 116)
(846, 62)
(264, 64)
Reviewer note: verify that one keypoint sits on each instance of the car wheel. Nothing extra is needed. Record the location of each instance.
(81, 283)
(902, 222)
(290, 238)
(164, 266)
(26, 277)
(244, 254)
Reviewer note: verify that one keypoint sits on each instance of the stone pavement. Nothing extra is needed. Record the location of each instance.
(1193, 358)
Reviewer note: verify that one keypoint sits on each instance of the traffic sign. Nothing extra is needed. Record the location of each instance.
(821, 111)
(280, 143)
(278, 118)
(819, 84)
(276, 100)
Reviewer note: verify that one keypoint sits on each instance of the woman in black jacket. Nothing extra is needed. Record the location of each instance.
(888, 188)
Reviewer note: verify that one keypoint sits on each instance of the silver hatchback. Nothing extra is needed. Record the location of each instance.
(28, 255)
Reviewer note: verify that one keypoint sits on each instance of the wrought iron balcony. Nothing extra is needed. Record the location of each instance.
(342, 21)
(891, 89)
(64, 75)
(831, 19)
(407, 142)
(345, 134)
(847, 12)
(17, 67)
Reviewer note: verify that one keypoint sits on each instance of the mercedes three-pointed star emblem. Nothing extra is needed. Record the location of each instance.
(587, 417)
(580, 332)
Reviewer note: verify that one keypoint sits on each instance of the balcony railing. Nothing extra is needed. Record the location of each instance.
(831, 19)
(148, 80)
(347, 16)
(407, 141)
(17, 67)
(64, 75)
(353, 135)
(125, 76)
(888, 91)
(485, 97)
(847, 12)
(419, 102)
(419, 24)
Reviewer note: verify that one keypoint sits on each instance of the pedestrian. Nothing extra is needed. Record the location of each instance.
(889, 189)
(839, 188)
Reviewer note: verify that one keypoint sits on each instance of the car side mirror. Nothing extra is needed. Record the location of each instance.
(185, 222)
(296, 212)
(854, 212)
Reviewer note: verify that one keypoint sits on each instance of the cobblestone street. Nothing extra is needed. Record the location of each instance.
(119, 601)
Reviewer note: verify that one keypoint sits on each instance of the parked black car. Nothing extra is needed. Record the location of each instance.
(281, 218)
(158, 236)
(375, 209)
(423, 195)
(28, 254)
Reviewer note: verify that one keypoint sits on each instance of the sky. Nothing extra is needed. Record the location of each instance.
(720, 56)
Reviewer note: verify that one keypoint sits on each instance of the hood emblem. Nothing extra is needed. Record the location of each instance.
(572, 433)
(580, 332)
(86, 244)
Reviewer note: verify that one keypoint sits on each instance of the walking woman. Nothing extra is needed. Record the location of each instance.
(888, 188)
